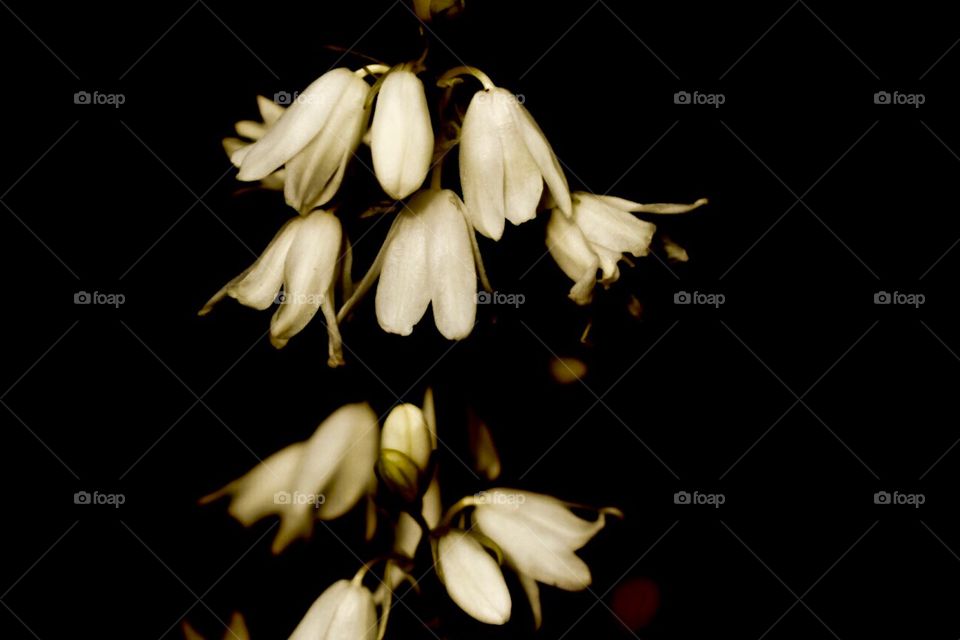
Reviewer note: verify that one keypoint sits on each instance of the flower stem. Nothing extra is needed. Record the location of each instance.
(455, 72)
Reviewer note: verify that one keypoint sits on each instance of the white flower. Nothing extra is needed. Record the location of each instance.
(322, 477)
(538, 536)
(248, 130)
(303, 257)
(504, 161)
(472, 577)
(426, 257)
(401, 136)
(315, 138)
(345, 611)
(597, 235)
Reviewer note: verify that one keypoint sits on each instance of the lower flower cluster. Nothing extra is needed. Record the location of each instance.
(350, 460)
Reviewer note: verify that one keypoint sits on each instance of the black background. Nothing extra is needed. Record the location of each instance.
(819, 199)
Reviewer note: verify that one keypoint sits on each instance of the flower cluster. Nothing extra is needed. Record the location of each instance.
(338, 467)
(430, 256)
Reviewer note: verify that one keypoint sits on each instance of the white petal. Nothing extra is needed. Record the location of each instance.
(659, 207)
(298, 125)
(403, 293)
(258, 286)
(343, 612)
(314, 174)
(452, 271)
(532, 589)
(254, 495)
(231, 145)
(250, 129)
(308, 274)
(270, 111)
(574, 256)
(481, 165)
(543, 155)
(473, 578)
(401, 135)
(538, 535)
(610, 227)
(335, 466)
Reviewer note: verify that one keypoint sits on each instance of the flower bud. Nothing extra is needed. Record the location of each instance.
(405, 448)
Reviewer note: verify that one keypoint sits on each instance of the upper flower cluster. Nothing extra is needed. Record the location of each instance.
(430, 256)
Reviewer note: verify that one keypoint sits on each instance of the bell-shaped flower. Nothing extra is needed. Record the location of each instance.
(314, 138)
(303, 258)
(345, 611)
(538, 536)
(472, 577)
(401, 136)
(597, 235)
(426, 257)
(504, 161)
(405, 448)
(251, 131)
(322, 477)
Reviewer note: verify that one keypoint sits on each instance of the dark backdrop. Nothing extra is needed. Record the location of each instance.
(797, 400)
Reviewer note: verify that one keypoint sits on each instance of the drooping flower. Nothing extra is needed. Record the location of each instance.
(322, 477)
(303, 257)
(472, 577)
(538, 536)
(250, 131)
(345, 611)
(504, 161)
(426, 258)
(401, 136)
(314, 138)
(597, 235)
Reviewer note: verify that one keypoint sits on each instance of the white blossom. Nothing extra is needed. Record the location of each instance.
(504, 161)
